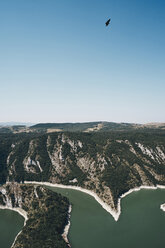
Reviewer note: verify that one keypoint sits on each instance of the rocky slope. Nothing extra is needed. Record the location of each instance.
(46, 215)
(108, 163)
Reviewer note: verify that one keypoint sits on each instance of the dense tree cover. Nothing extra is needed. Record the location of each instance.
(114, 146)
(47, 217)
(5, 147)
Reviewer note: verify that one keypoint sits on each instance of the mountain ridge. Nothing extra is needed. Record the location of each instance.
(100, 126)
(108, 163)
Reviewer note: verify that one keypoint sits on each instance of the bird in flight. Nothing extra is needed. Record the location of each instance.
(107, 22)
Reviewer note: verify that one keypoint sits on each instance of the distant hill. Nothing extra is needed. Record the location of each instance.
(86, 127)
(93, 127)
(71, 127)
(28, 124)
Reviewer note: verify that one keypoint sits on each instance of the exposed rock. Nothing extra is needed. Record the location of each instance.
(109, 164)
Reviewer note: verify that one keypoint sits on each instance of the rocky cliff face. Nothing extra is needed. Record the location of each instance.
(39, 206)
(107, 163)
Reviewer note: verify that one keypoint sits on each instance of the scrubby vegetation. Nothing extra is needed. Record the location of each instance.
(47, 215)
(119, 159)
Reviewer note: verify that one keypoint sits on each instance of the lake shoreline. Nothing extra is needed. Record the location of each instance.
(115, 214)
(162, 207)
(89, 192)
(134, 190)
(66, 229)
(22, 212)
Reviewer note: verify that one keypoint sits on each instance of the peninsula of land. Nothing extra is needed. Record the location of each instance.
(45, 212)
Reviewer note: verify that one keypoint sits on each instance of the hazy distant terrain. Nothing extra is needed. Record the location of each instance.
(78, 127)
(15, 124)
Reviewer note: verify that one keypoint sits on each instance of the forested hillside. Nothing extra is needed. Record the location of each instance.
(108, 163)
(47, 214)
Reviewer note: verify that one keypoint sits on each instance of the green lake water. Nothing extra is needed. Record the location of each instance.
(11, 223)
(141, 224)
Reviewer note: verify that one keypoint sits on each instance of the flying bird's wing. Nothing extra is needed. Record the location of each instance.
(107, 22)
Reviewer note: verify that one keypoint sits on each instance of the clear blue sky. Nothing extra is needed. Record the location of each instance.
(59, 63)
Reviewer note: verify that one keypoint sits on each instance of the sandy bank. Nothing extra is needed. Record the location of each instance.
(66, 229)
(162, 207)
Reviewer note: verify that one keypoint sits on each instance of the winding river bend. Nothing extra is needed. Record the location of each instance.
(141, 223)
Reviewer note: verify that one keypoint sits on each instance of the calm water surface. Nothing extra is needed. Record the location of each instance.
(10, 224)
(141, 224)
